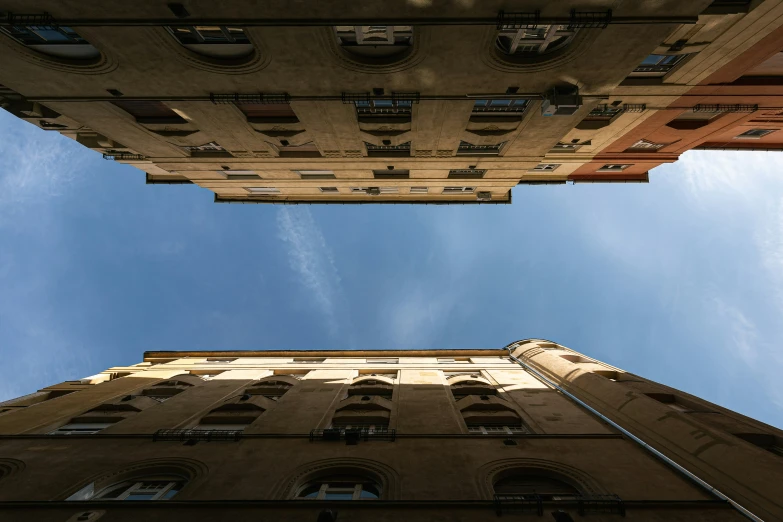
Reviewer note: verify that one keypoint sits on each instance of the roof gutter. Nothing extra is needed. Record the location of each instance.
(684, 472)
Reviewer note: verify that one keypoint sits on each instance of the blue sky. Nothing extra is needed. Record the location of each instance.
(680, 280)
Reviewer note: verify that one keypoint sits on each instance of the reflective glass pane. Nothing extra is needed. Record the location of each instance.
(652, 59)
(338, 495)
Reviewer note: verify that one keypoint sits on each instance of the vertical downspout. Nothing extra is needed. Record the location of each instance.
(701, 483)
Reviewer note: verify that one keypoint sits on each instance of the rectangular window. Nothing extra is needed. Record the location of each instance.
(150, 111)
(468, 149)
(453, 361)
(382, 361)
(315, 174)
(491, 430)
(755, 133)
(546, 167)
(373, 191)
(81, 428)
(647, 145)
(419, 190)
(388, 190)
(219, 427)
(331, 190)
(490, 106)
(391, 174)
(613, 168)
(467, 173)
(235, 175)
(657, 65)
(217, 360)
(268, 112)
(458, 190)
(207, 147)
(308, 360)
(263, 190)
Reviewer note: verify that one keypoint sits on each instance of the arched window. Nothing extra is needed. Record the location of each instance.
(534, 484)
(340, 487)
(375, 41)
(272, 390)
(144, 487)
(542, 39)
(57, 41)
(214, 41)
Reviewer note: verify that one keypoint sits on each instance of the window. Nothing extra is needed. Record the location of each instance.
(217, 360)
(419, 190)
(539, 40)
(381, 106)
(392, 174)
(308, 360)
(58, 41)
(144, 490)
(263, 190)
(484, 106)
(458, 190)
(370, 426)
(494, 430)
(219, 427)
(272, 390)
(657, 65)
(755, 133)
(315, 174)
(340, 487)
(206, 375)
(268, 112)
(403, 149)
(328, 189)
(599, 117)
(214, 41)
(452, 361)
(371, 191)
(374, 41)
(644, 144)
(468, 149)
(613, 168)
(546, 167)
(150, 112)
(81, 428)
(382, 361)
(535, 484)
(207, 147)
(240, 174)
(764, 441)
(305, 150)
(467, 173)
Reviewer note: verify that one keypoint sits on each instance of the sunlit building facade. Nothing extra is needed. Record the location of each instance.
(441, 103)
(534, 431)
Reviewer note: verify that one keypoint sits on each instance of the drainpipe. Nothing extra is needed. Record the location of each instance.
(687, 474)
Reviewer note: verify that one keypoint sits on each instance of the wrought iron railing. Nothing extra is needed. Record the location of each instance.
(183, 435)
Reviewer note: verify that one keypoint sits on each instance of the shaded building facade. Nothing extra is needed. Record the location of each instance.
(534, 431)
(412, 102)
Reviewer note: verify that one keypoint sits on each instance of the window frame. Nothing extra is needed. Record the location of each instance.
(135, 487)
(615, 167)
(746, 136)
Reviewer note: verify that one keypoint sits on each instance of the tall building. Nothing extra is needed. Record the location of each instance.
(534, 431)
(418, 101)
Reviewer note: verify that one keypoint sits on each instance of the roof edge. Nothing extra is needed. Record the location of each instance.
(479, 352)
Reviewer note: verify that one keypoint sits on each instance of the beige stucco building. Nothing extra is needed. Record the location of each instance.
(534, 431)
(417, 101)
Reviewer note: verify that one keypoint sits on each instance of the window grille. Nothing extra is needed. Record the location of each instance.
(468, 149)
(209, 34)
(207, 147)
(498, 430)
(458, 190)
(374, 35)
(533, 40)
(466, 173)
(657, 64)
(483, 106)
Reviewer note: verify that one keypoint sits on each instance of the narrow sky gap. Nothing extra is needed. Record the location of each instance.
(679, 280)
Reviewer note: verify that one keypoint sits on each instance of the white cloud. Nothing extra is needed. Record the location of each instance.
(311, 258)
(36, 167)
